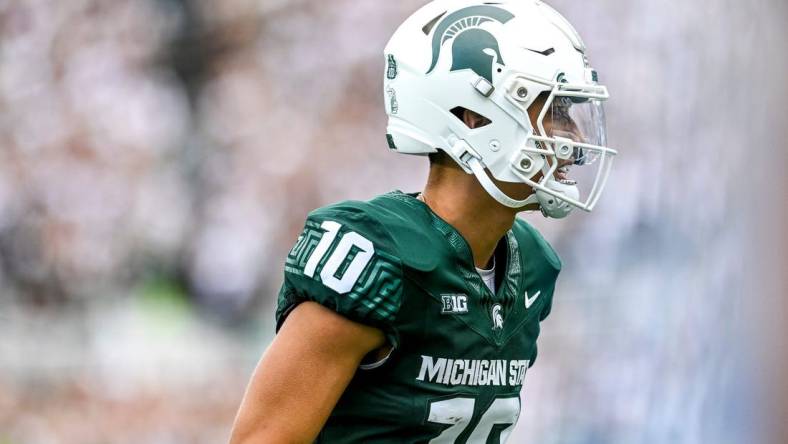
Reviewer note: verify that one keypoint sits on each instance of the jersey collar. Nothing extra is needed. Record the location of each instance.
(506, 293)
(508, 251)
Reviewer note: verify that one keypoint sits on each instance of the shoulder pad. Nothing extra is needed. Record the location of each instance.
(344, 260)
(408, 227)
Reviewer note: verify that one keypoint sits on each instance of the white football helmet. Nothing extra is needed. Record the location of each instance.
(500, 60)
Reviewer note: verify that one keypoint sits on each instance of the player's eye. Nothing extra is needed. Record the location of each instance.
(563, 102)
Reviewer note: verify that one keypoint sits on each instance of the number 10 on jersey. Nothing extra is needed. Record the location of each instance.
(328, 275)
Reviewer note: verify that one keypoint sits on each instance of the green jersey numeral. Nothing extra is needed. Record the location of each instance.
(458, 412)
(328, 275)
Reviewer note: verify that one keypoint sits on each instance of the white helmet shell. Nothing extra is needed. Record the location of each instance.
(497, 60)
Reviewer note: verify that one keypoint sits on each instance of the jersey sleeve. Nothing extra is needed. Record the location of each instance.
(346, 261)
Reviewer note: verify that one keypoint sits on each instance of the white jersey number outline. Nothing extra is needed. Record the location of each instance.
(349, 240)
(459, 411)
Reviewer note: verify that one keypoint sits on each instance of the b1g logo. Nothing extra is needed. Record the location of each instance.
(454, 304)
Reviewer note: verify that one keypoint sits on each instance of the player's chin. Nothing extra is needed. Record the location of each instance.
(518, 191)
(531, 207)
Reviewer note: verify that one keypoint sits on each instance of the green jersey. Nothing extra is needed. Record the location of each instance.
(460, 352)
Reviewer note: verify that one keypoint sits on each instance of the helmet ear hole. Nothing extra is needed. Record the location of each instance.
(471, 119)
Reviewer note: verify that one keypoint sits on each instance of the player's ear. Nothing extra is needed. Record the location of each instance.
(474, 120)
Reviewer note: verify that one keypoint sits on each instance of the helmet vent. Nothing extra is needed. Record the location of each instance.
(546, 52)
(479, 120)
(428, 27)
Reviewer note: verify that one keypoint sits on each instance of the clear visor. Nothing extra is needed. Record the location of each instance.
(579, 120)
(570, 131)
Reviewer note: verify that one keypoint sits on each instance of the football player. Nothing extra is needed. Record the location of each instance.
(414, 317)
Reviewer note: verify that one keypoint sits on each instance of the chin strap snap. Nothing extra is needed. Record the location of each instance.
(466, 155)
(493, 190)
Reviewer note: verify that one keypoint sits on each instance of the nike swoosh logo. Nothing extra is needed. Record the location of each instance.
(530, 301)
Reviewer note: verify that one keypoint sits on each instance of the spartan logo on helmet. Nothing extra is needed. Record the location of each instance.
(473, 48)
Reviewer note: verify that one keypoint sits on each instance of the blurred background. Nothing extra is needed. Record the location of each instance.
(158, 158)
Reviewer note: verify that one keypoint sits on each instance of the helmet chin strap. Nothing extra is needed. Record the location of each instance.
(493, 190)
(551, 206)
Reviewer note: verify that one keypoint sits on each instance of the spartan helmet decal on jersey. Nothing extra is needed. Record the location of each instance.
(472, 47)
(522, 66)
(497, 317)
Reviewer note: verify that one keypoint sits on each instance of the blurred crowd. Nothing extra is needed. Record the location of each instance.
(158, 158)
